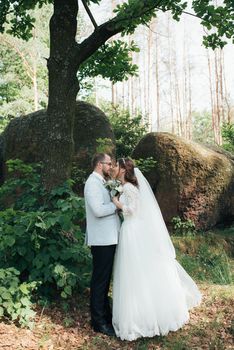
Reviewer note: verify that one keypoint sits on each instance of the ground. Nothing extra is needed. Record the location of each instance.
(67, 328)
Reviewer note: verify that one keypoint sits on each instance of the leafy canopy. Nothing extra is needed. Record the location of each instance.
(217, 19)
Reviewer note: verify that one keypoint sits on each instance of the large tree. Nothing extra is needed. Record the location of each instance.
(67, 55)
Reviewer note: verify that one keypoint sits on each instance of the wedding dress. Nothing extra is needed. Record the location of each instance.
(152, 293)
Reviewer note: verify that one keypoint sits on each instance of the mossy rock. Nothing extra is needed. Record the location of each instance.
(23, 137)
(189, 180)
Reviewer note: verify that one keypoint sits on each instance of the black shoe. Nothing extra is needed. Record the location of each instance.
(104, 329)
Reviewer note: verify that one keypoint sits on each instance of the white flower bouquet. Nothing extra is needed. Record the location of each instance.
(114, 187)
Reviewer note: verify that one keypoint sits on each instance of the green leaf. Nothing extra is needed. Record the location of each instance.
(10, 241)
(64, 295)
(24, 288)
(25, 301)
(6, 296)
(68, 290)
(1, 311)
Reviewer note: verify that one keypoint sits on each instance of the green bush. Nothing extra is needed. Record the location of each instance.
(128, 130)
(15, 297)
(146, 164)
(183, 228)
(40, 233)
(228, 136)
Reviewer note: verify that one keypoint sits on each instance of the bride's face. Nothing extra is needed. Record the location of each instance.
(115, 171)
(118, 172)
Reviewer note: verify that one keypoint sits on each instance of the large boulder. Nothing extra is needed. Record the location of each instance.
(189, 180)
(23, 137)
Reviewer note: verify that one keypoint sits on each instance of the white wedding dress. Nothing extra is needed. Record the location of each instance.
(152, 293)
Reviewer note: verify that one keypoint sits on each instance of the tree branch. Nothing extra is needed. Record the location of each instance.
(102, 34)
(89, 14)
(111, 28)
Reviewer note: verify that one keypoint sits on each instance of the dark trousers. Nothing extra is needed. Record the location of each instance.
(103, 258)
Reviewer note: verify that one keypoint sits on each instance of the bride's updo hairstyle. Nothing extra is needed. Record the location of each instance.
(128, 165)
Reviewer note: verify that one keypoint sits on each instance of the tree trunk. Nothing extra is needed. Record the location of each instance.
(211, 90)
(217, 131)
(63, 88)
(170, 69)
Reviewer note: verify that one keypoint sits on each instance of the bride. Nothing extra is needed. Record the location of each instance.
(152, 293)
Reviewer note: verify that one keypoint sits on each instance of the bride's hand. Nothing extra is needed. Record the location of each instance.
(117, 202)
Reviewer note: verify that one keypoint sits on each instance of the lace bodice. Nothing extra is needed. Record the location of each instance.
(129, 199)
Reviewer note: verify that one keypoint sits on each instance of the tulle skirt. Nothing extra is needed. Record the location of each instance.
(151, 294)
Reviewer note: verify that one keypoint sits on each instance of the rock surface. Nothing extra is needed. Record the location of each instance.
(23, 136)
(189, 180)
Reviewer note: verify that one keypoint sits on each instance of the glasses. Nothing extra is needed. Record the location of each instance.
(108, 163)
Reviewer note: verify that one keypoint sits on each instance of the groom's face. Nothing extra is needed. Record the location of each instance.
(106, 166)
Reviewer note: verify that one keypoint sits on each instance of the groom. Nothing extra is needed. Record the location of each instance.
(102, 235)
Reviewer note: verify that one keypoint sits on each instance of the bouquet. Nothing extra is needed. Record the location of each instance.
(114, 187)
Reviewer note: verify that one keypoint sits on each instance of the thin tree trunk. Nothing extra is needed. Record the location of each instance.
(228, 114)
(35, 88)
(189, 102)
(148, 100)
(184, 91)
(211, 91)
(113, 86)
(157, 79)
(217, 114)
(170, 75)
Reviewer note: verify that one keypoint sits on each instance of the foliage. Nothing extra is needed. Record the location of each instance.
(40, 232)
(145, 165)
(112, 60)
(129, 15)
(22, 65)
(228, 136)
(202, 128)
(128, 130)
(15, 297)
(204, 257)
(4, 121)
(183, 228)
(105, 145)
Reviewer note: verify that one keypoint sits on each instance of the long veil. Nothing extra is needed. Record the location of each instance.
(152, 220)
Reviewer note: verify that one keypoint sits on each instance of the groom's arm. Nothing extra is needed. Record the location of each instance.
(94, 197)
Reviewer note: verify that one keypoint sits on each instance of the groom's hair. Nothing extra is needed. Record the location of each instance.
(98, 157)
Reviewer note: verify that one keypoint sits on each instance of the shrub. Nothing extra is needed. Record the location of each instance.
(40, 233)
(128, 130)
(146, 164)
(183, 228)
(228, 136)
(15, 297)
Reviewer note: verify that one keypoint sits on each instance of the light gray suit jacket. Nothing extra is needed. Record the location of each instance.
(102, 221)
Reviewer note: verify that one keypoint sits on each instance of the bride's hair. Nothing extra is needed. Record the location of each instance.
(128, 165)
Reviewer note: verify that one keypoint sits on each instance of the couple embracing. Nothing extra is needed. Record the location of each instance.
(152, 293)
